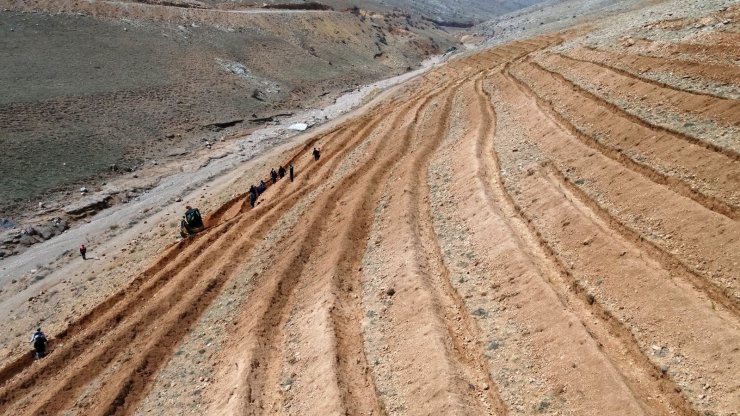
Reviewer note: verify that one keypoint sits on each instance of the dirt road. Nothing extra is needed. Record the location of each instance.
(509, 234)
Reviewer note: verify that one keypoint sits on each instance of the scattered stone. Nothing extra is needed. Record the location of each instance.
(390, 292)
(298, 127)
(480, 312)
(45, 232)
(27, 240)
(590, 298)
(83, 190)
(659, 351)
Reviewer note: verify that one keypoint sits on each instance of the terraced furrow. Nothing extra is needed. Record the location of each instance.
(419, 338)
(711, 48)
(508, 234)
(681, 73)
(722, 293)
(349, 379)
(178, 306)
(615, 341)
(257, 390)
(356, 384)
(624, 86)
(711, 182)
(60, 360)
(468, 358)
(699, 139)
(110, 313)
(613, 283)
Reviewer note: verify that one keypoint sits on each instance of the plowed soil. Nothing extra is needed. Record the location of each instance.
(528, 229)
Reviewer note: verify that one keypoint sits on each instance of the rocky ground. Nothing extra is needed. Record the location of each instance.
(545, 226)
(79, 112)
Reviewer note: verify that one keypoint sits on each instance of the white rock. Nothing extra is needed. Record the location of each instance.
(298, 126)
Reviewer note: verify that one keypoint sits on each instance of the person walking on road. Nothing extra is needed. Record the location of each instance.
(281, 172)
(83, 251)
(38, 339)
(316, 153)
(273, 176)
(291, 172)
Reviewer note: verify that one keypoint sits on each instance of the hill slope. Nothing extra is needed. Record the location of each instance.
(124, 84)
(548, 226)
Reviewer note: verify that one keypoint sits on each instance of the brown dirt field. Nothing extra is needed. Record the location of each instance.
(508, 234)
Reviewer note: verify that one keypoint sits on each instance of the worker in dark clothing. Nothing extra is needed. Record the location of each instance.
(281, 172)
(262, 187)
(291, 172)
(253, 198)
(316, 153)
(83, 251)
(38, 339)
(273, 176)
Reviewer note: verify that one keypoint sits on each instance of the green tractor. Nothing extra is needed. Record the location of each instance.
(191, 223)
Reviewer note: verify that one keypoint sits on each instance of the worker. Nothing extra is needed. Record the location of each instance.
(291, 172)
(252, 198)
(273, 176)
(262, 188)
(316, 153)
(38, 339)
(83, 251)
(281, 172)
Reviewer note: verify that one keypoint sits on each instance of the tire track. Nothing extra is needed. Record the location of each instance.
(354, 379)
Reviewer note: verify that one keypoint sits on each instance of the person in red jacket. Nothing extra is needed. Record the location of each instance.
(83, 251)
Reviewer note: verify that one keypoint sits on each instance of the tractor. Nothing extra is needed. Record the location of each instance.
(191, 223)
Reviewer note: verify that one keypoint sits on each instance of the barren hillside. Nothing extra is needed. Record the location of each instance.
(93, 90)
(547, 226)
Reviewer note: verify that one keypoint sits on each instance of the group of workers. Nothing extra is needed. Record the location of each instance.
(275, 175)
(191, 223)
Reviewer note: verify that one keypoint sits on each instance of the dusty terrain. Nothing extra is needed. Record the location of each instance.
(95, 91)
(546, 226)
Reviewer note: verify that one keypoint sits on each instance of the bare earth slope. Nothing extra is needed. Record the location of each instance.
(94, 90)
(528, 229)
